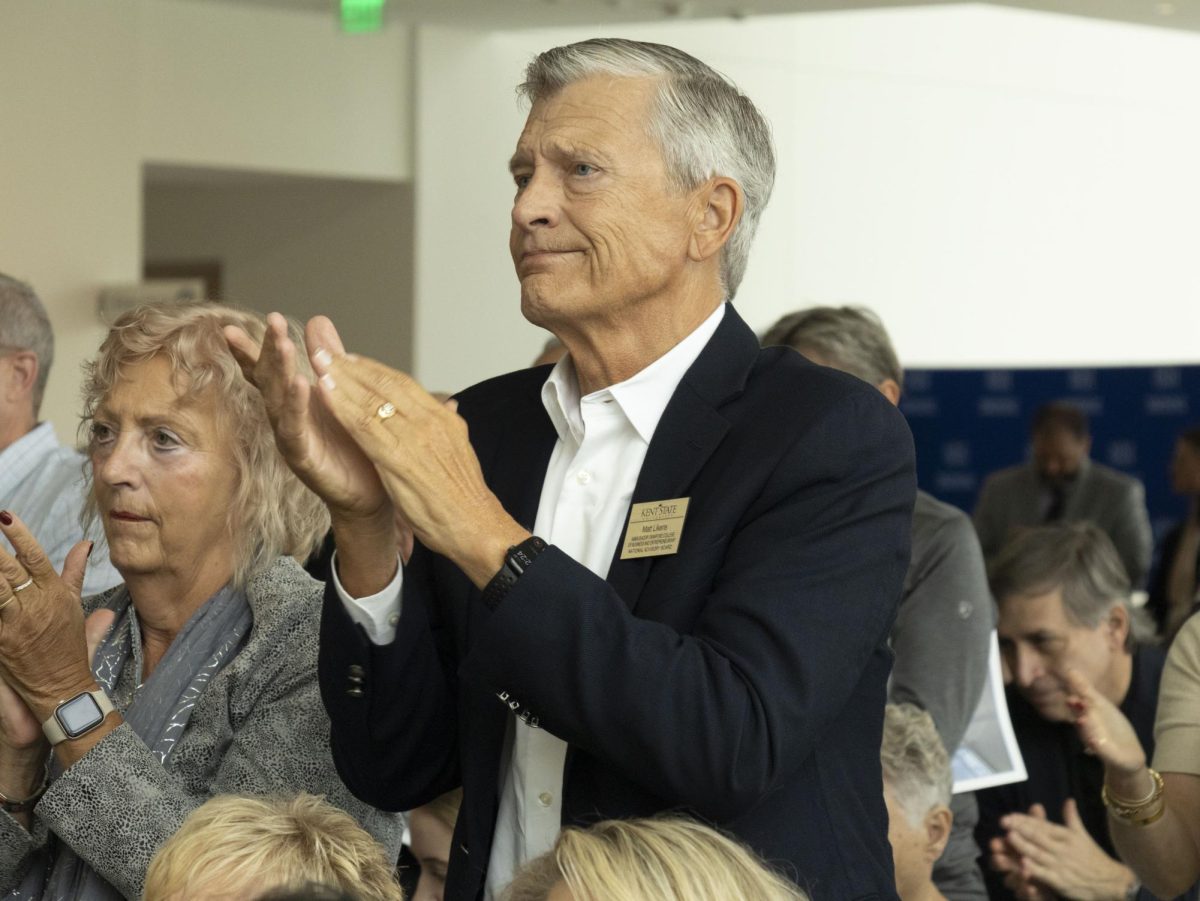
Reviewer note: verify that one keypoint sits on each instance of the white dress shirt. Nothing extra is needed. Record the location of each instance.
(42, 482)
(602, 442)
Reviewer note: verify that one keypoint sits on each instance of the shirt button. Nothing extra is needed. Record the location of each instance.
(545, 799)
(583, 477)
(394, 619)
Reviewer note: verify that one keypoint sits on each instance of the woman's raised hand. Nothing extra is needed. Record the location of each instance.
(1103, 729)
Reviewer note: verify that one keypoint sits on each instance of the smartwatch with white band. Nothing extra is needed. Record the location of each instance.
(77, 716)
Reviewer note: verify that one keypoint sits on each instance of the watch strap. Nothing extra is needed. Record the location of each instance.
(53, 728)
(516, 561)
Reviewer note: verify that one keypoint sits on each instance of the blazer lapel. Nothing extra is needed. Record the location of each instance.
(689, 432)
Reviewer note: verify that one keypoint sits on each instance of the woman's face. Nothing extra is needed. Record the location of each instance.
(164, 476)
(1185, 468)
(431, 840)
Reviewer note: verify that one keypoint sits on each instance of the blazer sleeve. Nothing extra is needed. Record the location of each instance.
(805, 595)
(942, 632)
(1131, 532)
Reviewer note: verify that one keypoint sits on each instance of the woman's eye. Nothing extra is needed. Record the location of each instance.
(521, 181)
(101, 434)
(584, 169)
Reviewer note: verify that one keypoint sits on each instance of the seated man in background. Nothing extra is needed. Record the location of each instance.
(235, 847)
(40, 480)
(1063, 599)
(916, 787)
(1061, 484)
(945, 620)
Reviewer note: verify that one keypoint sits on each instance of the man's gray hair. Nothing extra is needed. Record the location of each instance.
(851, 339)
(703, 124)
(24, 325)
(1078, 558)
(915, 764)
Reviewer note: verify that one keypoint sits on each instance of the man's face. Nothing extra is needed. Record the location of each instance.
(1038, 644)
(1058, 454)
(596, 226)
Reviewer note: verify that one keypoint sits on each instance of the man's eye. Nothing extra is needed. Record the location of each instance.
(163, 439)
(584, 169)
(521, 181)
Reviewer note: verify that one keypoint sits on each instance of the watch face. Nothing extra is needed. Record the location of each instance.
(79, 714)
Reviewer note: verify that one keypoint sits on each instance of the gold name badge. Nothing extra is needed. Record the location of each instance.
(654, 528)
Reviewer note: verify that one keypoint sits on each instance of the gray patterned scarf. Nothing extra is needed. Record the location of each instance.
(158, 714)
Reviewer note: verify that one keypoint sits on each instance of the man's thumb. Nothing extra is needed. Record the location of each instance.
(95, 627)
(1071, 816)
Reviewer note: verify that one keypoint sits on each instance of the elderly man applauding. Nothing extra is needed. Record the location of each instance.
(659, 575)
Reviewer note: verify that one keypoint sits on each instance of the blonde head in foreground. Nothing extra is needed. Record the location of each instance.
(233, 847)
(662, 859)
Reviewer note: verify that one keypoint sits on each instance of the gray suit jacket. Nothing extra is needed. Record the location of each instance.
(258, 729)
(1015, 497)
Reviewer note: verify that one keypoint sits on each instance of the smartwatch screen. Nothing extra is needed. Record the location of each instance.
(79, 714)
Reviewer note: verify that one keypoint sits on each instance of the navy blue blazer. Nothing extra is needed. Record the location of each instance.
(741, 680)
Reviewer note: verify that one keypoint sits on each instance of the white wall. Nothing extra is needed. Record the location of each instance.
(89, 91)
(254, 88)
(1004, 187)
(69, 173)
(302, 247)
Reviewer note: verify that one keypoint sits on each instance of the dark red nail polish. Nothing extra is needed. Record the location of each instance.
(6, 517)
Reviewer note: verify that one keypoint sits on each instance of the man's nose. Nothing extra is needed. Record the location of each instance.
(537, 203)
(1026, 667)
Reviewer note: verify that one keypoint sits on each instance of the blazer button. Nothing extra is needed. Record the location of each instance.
(356, 671)
(355, 692)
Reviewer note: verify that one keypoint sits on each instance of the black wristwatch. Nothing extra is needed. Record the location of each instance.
(516, 562)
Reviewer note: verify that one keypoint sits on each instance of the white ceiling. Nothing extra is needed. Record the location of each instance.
(513, 14)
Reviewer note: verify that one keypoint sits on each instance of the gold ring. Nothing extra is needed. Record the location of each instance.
(23, 585)
(386, 410)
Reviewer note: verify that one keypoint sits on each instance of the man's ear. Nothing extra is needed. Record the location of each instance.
(937, 831)
(1118, 624)
(24, 373)
(722, 203)
(891, 390)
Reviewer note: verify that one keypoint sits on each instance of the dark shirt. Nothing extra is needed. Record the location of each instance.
(1059, 768)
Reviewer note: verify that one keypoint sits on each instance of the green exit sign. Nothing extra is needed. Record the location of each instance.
(359, 16)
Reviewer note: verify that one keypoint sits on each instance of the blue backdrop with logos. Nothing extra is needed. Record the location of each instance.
(968, 423)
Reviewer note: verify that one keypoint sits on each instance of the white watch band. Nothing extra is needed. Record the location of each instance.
(56, 733)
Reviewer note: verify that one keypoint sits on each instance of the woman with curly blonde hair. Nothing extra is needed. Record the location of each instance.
(198, 674)
(660, 859)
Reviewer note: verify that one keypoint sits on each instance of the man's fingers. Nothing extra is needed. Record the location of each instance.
(28, 552)
(1030, 849)
(1038, 812)
(75, 565)
(1071, 816)
(95, 627)
(244, 349)
(321, 333)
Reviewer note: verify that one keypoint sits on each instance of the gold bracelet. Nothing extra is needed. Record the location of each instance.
(12, 806)
(1135, 811)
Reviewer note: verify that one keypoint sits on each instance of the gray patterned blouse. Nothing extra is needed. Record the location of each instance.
(258, 729)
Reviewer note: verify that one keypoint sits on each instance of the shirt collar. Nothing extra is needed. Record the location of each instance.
(642, 397)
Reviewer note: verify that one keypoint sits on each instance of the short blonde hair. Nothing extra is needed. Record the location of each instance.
(915, 764)
(230, 844)
(272, 512)
(660, 859)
